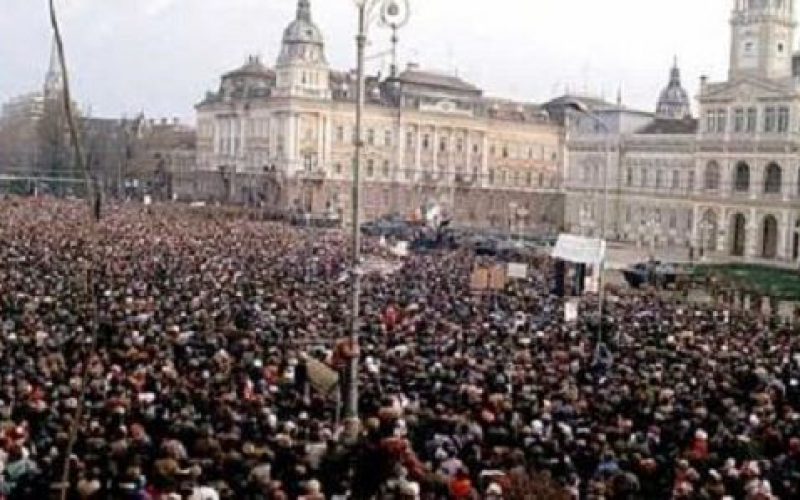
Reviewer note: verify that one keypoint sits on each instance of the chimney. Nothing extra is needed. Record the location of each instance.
(703, 84)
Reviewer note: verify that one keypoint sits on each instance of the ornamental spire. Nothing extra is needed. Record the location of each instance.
(54, 78)
(304, 10)
(675, 74)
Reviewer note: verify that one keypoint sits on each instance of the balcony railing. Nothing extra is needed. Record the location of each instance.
(312, 175)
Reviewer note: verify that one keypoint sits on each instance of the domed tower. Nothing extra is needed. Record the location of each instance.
(762, 37)
(302, 70)
(674, 103)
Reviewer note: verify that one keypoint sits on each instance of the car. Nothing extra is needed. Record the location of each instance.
(389, 226)
(653, 273)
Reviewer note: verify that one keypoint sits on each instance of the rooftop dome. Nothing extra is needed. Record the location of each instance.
(674, 101)
(302, 39)
(252, 67)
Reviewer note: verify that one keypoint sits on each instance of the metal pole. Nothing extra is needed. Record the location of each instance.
(361, 42)
(604, 215)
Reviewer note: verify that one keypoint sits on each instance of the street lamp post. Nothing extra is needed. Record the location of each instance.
(394, 13)
(581, 108)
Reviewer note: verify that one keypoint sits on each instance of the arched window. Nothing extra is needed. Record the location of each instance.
(742, 180)
(798, 181)
(711, 180)
(773, 178)
(769, 237)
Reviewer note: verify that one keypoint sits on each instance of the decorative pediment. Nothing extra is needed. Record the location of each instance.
(748, 89)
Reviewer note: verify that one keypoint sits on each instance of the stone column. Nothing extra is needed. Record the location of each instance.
(320, 140)
(435, 146)
(231, 137)
(726, 178)
(485, 160)
(291, 142)
(756, 181)
(696, 236)
(217, 136)
(400, 153)
(784, 237)
(468, 149)
(418, 159)
(328, 140)
(752, 248)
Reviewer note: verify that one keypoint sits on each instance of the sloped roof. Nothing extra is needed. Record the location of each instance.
(593, 103)
(667, 126)
(427, 78)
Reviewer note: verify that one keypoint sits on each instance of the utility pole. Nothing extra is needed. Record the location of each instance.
(394, 13)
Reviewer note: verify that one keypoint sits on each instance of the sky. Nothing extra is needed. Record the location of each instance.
(161, 56)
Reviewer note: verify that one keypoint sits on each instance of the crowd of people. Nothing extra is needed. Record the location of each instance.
(185, 339)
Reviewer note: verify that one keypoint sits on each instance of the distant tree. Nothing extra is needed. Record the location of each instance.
(55, 159)
(18, 145)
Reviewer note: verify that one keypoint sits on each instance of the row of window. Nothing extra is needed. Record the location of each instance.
(662, 179)
(775, 119)
(712, 180)
(646, 217)
(513, 178)
(772, 182)
(445, 144)
(655, 218)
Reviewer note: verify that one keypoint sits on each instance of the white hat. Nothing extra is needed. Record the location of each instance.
(409, 488)
(313, 487)
(494, 489)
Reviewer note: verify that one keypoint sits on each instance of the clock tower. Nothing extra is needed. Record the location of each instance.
(762, 39)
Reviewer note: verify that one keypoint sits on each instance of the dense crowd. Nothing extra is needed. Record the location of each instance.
(195, 331)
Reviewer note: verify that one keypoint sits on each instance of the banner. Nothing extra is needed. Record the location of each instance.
(488, 278)
(571, 311)
(400, 249)
(480, 279)
(321, 377)
(497, 277)
(517, 271)
(579, 249)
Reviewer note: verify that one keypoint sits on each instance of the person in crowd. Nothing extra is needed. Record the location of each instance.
(184, 336)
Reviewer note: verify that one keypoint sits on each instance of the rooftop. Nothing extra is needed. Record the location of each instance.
(416, 76)
(668, 126)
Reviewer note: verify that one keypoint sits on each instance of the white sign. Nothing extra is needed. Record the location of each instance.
(517, 270)
(148, 200)
(579, 249)
(400, 249)
(591, 282)
(571, 311)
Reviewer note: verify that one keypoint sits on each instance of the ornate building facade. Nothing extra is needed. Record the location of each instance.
(727, 184)
(283, 137)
